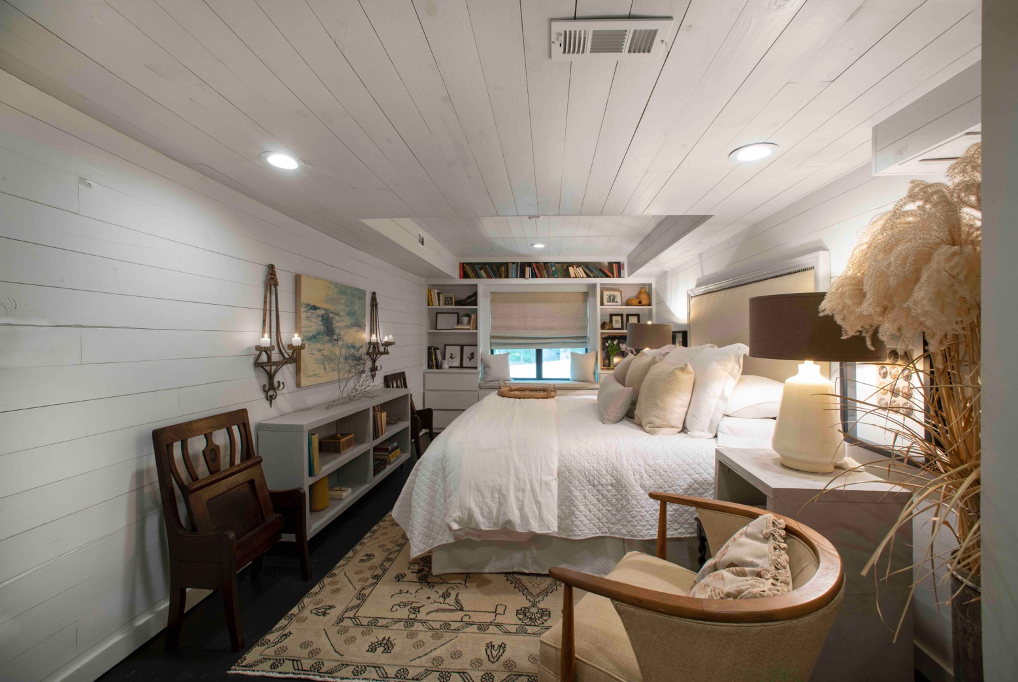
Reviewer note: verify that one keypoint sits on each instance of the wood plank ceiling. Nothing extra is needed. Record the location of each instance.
(451, 112)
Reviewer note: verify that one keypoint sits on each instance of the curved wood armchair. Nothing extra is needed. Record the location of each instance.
(672, 636)
(232, 516)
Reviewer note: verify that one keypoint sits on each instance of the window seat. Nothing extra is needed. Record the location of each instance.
(561, 385)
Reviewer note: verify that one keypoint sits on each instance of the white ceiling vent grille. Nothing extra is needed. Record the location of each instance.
(609, 39)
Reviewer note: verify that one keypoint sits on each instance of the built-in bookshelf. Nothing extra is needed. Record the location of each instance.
(541, 270)
(452, 325)
(610, 314)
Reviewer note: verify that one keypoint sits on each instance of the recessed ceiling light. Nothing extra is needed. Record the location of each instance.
(753, 152)
(281, 160)
(538, 245)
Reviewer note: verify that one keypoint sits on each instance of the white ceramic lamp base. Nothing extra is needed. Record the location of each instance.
(808, 433)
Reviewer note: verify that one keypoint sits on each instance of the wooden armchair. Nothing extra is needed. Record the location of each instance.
(232, 516)
(638, 624)
(420, 420)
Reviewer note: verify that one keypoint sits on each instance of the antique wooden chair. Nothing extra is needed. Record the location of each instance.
(232, 516)
(420, 420)
(638, 624)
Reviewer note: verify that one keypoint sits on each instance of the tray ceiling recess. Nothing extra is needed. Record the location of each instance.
(619, 40)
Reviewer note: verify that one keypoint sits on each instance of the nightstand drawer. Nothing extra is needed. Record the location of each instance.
(450, 400)
(453, 381)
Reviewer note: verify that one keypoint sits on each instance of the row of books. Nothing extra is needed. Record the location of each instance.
(472, 324)
(540, 270)
(434, 357)
(378, 419)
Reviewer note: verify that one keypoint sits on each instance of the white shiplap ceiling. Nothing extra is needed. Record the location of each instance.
(452, 114)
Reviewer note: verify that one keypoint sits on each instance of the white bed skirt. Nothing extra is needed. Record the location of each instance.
(540, 552)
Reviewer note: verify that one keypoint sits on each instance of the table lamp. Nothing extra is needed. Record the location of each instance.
(807, 436)
(640, 336)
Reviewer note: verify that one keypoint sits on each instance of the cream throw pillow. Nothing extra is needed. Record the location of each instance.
(581, 366)
(664, 398)
(635, 376)
(613, 400)
(496, 367)
(622, 368)
(753, 563)
(717, 371)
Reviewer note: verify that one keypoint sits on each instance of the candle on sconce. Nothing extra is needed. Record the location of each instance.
(296, 340)
(374, 339)
(265, 342)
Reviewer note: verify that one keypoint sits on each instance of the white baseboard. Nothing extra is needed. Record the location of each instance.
(933, 667)
(122, 642)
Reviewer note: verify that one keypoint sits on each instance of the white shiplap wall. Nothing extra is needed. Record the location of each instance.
(130, 298)
(832, 217)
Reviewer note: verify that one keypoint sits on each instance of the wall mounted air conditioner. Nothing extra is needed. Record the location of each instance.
(928, 135)
(610, 39)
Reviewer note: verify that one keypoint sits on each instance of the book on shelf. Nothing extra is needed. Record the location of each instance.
(388, 457)
(380, 465)
(339, 492)
(540, 270)
(313, 454)
(379, 421)
(386, 447)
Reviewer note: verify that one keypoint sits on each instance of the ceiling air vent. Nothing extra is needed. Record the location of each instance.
(609, 39)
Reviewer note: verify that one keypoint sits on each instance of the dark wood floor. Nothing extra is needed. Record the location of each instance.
(204, 652)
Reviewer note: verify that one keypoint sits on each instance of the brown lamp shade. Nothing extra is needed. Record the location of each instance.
(648, 335)
(790, 327)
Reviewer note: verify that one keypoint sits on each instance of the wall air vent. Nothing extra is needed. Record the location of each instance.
(610, 39)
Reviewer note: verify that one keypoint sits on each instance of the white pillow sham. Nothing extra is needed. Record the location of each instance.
(716, 371)
(581, 366)
(496, 367)
(755, 397)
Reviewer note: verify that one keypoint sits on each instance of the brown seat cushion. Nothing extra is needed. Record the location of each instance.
(603, 652)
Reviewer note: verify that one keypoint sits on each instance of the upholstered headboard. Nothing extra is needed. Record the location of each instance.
(719, 309)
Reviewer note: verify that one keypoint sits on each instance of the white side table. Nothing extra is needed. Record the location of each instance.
(855, 519)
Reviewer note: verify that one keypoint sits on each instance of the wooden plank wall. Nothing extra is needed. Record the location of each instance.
(831, 217)
(130, 298)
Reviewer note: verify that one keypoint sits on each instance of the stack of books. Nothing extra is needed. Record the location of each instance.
(385, 454)
(312, 454)
(379, 421)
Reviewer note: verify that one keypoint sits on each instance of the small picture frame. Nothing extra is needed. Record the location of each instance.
(448, 299)
(446, 321)
(454, 356)
(469, 357)
(611, 297)
(616, 320)
(632, 318)
(680, 337)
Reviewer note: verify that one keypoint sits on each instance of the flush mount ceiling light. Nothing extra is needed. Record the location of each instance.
(538, 245)
(753, 152)
(281, 160)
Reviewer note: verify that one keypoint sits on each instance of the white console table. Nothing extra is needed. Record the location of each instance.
(283, 446)
(855, 519)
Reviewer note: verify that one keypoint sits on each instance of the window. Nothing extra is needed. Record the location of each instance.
(539, 363)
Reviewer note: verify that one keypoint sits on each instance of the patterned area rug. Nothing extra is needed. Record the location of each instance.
(380, 616)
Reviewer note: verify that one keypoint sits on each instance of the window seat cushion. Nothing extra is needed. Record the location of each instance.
(560, 385)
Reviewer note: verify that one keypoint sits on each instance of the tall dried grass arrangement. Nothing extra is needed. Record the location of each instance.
(915, 274)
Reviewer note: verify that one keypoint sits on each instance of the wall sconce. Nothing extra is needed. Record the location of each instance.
(378, 345)
(265, 345)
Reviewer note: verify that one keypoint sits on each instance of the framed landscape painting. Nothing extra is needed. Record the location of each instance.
(332, 319)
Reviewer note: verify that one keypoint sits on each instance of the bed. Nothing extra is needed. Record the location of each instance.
(524, 485)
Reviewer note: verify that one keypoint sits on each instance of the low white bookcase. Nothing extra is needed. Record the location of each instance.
(283, 446)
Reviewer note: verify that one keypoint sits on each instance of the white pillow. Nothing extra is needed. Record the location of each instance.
(581, 366)
(496, 367)
(664, 399)
(613, 400)
(716, 371)
(659, 352)
(755, 397)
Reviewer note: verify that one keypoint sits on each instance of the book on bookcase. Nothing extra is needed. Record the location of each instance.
(313, 450)
(540, 270)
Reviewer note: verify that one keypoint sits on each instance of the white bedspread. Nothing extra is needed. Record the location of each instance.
(464, 485)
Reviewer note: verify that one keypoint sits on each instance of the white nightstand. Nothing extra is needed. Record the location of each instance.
(855, 519)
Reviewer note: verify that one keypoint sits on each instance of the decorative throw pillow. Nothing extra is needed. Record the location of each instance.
(753, 563)
(664, 397)
(622, 368)
(660, 352)
(635, 376)
(755, 397)
(717, 370)
(581, 366)
(613, 400)
(496, 367)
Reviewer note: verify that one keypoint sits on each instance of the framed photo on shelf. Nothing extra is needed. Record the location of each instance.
(454, 356)
(680, 338)
(616, 321)
(445, 321)
(469, 357)
(632, 318)
(611, 297)
(448, 299)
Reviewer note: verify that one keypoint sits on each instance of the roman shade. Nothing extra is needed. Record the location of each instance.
(539, 319)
